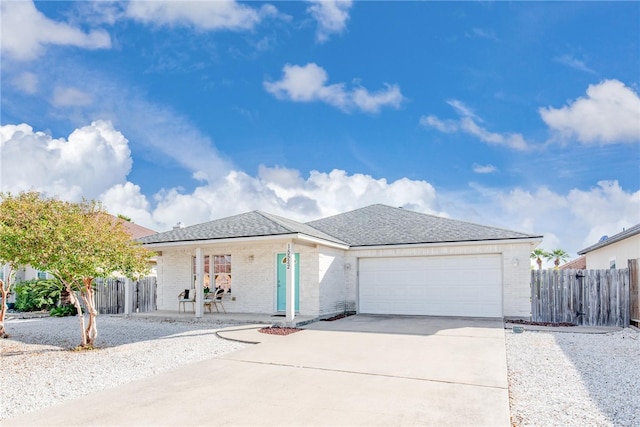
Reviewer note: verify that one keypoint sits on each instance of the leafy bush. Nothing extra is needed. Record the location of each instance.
(64, 310)
(35, 295)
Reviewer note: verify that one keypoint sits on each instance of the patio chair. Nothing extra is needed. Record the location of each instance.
(214, 299)
(187, 296)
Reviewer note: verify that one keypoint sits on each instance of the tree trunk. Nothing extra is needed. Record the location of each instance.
(91, 331)
(76, 302)
(5, 289)
(65, 297)
(3, 310)
(539, 261)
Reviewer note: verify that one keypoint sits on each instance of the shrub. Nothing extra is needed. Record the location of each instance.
(64, 310)
(35, 295)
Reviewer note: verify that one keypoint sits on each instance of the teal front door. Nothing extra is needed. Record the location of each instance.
(282, 282)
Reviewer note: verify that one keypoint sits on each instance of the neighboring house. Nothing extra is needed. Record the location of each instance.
(136, 231)
(579, 263)
(614, 251)
(376, 259)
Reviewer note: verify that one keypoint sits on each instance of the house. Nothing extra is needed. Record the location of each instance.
(377, 259)
(614, 251)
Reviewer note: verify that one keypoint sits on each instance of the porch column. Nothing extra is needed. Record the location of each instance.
(199, 282)
(128, 296)
(291, 284)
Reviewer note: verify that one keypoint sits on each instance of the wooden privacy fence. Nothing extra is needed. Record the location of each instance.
(110, 299)
(581, 297)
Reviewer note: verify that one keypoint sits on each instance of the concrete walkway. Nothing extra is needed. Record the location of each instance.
(361, 370)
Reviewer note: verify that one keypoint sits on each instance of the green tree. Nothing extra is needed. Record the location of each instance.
(558, 256)
(14, 249)
(538, 254)
(77, 242)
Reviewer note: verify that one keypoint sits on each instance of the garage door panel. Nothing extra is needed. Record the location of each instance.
(453, 285)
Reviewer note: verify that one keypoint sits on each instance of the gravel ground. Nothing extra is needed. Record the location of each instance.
(574, 379)
(39, 369)
(555, 378)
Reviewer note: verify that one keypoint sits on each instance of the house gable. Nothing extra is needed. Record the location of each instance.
(247, 225)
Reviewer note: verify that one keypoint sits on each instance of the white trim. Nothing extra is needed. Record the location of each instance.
(316, 240)
(239, 240)
(440, 244)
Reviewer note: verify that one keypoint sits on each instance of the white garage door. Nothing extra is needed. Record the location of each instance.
(436, 286)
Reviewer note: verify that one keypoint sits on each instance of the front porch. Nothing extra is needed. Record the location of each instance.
(224, 318)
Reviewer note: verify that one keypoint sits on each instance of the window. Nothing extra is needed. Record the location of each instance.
(612, 263)
(42, 275)
(206, 272)
(221, 272)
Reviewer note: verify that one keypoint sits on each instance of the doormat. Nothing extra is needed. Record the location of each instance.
(279, 315)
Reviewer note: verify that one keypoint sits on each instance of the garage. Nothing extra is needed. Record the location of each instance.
(461, 285)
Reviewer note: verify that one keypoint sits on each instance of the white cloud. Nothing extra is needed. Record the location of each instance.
(444, 126)
(483, 169)
(575, 63)
(610, 113)
(468, 123)
(331, 15)
(27, 82)
(308, 83)
(26, 31)
(91, 160)
(100, 12)
(70, 97)
(202, 15)
(571, 221)
(276, 190)
(127, 199)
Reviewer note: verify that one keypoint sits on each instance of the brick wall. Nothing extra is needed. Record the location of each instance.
(328, 277)
(332, 279)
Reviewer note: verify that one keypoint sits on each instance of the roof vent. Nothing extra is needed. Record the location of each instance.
(603, 238)
(178, 226)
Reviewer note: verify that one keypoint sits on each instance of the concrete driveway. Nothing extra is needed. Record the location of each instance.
(361, 370)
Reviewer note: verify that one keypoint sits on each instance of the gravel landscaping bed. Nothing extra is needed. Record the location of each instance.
(574, 379)
(39, 369)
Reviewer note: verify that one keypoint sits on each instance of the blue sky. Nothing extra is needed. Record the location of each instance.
(519, 115)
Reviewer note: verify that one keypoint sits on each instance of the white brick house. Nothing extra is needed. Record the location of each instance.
(377, 259)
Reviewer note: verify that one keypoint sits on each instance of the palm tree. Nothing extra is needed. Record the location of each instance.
(557, 255)
(538, 254)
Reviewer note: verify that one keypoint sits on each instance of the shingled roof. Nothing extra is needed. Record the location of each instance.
(375, 225)
(379, 225)
(250, 224)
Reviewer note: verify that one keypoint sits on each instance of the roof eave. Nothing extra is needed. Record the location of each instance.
(532, 240)
(609, 241)
(248, 239)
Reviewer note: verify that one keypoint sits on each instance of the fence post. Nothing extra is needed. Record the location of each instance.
(634, 292)
(128, 296)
